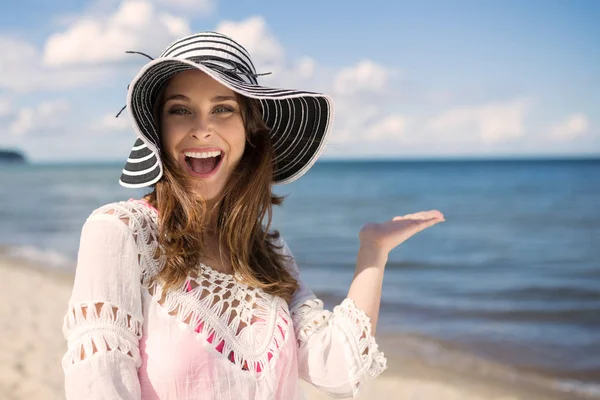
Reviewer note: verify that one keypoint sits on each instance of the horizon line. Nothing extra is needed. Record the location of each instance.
(457, 158)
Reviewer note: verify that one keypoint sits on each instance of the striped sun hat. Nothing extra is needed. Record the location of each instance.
(299, 121)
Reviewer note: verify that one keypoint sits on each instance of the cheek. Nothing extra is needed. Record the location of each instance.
(170, 136)
(236, 138)
(240, 144)
(241, 141)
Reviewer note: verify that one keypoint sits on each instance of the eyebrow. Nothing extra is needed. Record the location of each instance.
(214, 99)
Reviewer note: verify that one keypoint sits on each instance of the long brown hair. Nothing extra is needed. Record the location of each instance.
(246, 203)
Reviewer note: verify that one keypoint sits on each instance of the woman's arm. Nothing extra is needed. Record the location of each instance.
(365, 289)
(337, 351)
(103, 323)
(376, 241)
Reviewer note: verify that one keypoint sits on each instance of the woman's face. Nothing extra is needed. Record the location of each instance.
(202, 130)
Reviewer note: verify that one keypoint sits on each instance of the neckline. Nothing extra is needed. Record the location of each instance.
(211, 271)
(222, 275)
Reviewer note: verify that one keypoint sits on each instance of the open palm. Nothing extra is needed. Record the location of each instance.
(387, 235)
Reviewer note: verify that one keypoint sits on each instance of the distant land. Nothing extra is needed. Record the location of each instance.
(12, 157)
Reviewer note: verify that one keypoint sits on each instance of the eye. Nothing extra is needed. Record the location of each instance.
(178, 111)
(223, 109)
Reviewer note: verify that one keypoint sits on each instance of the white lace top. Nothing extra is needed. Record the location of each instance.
(213, 338)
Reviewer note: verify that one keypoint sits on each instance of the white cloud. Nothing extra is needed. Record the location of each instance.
(136, 25)
(253, 34)
(22, 70)
(47, 115)
(366, 76)
(390, 127)
(351, 120)
(110, 123)
(5, 107)
(442, 97)
(201, 7)
(306, 68)
(268, 56)
(492, 122)
(574, 126)
(357, 121)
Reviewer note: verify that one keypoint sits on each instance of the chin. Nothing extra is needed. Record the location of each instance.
(208, 191)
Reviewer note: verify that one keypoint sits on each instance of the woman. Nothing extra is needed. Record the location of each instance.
(187, 293)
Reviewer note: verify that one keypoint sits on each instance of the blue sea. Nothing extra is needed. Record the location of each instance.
(511, 279)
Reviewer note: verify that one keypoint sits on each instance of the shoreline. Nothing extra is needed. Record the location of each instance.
(35, 300)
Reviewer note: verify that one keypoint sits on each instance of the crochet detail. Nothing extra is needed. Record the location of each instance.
(246, 325)
(100, 328)
(141, 220)
(371, 361)
(308, 318)
(229, 315)
(360, 346)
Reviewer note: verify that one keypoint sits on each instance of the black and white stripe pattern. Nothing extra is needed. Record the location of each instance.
(299, 121)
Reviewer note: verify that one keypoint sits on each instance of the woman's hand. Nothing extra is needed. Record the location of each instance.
(376, 241)
(383, 237)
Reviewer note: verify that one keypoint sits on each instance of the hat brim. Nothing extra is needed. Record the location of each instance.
(299, 121)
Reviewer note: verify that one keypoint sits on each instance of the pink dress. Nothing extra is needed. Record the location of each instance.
(212, 338)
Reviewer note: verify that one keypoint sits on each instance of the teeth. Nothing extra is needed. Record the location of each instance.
(204, 154)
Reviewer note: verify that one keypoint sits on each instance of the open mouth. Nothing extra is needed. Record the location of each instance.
(203, 164)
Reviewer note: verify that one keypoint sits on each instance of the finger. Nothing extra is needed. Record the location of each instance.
(421, 215)
(415, 225)
(424, 215)
(424, 224)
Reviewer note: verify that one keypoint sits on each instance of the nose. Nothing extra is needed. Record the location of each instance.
(202, 128)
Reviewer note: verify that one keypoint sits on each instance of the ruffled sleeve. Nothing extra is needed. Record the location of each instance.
(103, 323)
(336, 351)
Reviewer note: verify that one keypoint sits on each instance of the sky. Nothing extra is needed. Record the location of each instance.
(419, 79)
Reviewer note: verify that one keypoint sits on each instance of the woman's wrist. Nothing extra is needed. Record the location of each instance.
(370, 255)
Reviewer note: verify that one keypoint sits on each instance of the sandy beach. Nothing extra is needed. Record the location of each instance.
(31, 347)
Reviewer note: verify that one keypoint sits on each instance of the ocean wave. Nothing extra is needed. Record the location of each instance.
(390, 265)
(550, 293)
(575, 316)
(452, 309)
(44, 258)
(447, 355)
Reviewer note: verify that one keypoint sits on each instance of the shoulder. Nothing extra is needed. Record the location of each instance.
(280, 245)
(131, 223)
(131, 213)
(282, 248)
